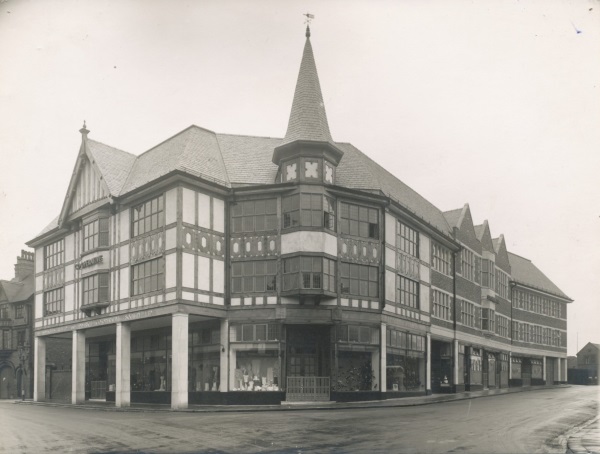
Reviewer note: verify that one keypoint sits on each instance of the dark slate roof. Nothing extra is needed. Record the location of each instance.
(114, 164)
(194, 151)
(453, 216)
(308, 120)
(18, 291)
(248, 159)
(523, 271)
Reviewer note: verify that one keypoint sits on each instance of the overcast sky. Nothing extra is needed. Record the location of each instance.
(494, 103)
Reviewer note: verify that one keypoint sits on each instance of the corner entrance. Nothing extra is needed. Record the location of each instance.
(308, 363)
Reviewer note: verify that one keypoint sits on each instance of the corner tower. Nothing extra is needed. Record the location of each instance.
(307, 153)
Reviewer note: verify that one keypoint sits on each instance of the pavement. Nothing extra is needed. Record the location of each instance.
(583, 439)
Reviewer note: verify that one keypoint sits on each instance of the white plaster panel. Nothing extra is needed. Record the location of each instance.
(303, 241)
(171, 206)
(124, 226)
(390, 285)
(69, 317)
(218, 215)
(218, 300)
(69, 273)
(39, 305)
(424, 248)
(203, 273)
(425, 273)
(189, 206)
(124, 283)
(344, 301)
(235, 301)
(171, 270)
(203, 210)
(171, 239)
(124, 255)
(39, 260)
(187, 296)
(271, 300)
(187, 270)
(390, 257)
(390, 229)
(69, 298)
(424, 299)
(39, 282)
(218, 276)
(202, 298)
(69, 247)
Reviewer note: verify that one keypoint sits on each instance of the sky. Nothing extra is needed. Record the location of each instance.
(491, 103)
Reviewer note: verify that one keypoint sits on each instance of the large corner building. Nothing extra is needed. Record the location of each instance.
(227, 269)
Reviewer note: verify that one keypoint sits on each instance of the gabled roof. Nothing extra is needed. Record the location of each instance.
(587, 346)
(465, 230)
(502, 260)
(308, 120)
(453, 217)
(484, 236)
(114, 164)
(523, 271)
(18, 291)
(194, 151)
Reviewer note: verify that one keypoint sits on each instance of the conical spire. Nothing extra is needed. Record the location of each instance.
(308, 120)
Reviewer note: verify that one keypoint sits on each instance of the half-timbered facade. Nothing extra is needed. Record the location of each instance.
(217, 268)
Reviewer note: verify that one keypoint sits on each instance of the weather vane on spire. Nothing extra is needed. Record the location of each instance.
(309, 17)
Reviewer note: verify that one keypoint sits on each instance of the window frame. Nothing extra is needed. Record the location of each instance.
(308, 209)
(54, 254)
(99, 237)
(56, 303)
(309, 272)
(408, 292)
(357, 277)
(157, 212)
(95, 289)
(241, 215)
(159, 277)
(240, 277)
(441, 259)
(362, 228)
(407, 239)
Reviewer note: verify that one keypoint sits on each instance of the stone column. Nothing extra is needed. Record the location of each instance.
(544, 370)
(383, 363)
(455, 364)
(123, 372)
(224, 358)
(39, 381)
(428, 371)
(179, 365)
(78, 368)
(564, 369)
(557, 363)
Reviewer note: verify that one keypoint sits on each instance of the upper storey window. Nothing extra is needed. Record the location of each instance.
(148, 216)
(359, 221)
(468, 264)
(95, 234)
(408, 240)
(442, 259)
(254, 216)
(308, 210)
(54, 254)
(488, 273)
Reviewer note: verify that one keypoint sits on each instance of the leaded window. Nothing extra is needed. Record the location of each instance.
(442, 259)
(309, 273)
(95, 234)
(254, 216)
(308, 210)
(54, 301)
(408, 240)
(468, 264)
(359, 220)
(254, 276)
(407, 292)
(442, 305)
(54, 254)
(148, 277)
(360, 280)
(95, 289)
(148, 216)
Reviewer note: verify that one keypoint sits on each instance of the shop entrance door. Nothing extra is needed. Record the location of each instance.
(307, 363)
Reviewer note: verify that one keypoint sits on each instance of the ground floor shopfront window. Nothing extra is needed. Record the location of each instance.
(405, 361)
(100, 368)
(151, 361)
(256, 352)
(355, 358)
(204, 361)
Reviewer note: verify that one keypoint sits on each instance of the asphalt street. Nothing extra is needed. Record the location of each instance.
(527, 422)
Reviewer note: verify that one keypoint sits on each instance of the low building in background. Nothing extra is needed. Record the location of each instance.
(16, 326)
(587, 368)
(226, 269)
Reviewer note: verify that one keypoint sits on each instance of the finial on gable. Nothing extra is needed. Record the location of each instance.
(84, 131)
(309, 17)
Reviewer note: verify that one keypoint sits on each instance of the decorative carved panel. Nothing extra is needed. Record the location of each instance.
(408, 266)
(361, 251)
(54, 278)
(147, 247)
(203, 241)
(255, 246)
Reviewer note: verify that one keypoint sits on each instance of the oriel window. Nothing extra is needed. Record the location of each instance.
(95, 234)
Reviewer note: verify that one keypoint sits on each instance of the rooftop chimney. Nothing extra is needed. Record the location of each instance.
(24, 266)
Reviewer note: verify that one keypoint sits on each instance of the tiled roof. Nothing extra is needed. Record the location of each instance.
(51, 226)
(479, 230)
(248, 159)
(356, 170)
(525, 272)
(453, 216)
(114, 164)
(308, 120)
(194, 151)
(18, 291)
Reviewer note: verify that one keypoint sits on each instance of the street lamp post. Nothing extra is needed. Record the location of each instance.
(23, 358)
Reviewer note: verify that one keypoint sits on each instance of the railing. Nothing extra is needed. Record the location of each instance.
(307, 389)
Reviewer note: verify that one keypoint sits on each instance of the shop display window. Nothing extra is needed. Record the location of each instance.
(100, 368)
(405, 361)
(476, 367)
(355, 358)
(256, 357)
(204, 361)
(515, 368)
(151, 362)
(536, 368)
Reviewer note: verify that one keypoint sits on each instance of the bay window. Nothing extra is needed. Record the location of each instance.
(316, 273)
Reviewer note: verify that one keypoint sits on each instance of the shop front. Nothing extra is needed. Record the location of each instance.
(441, 367)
